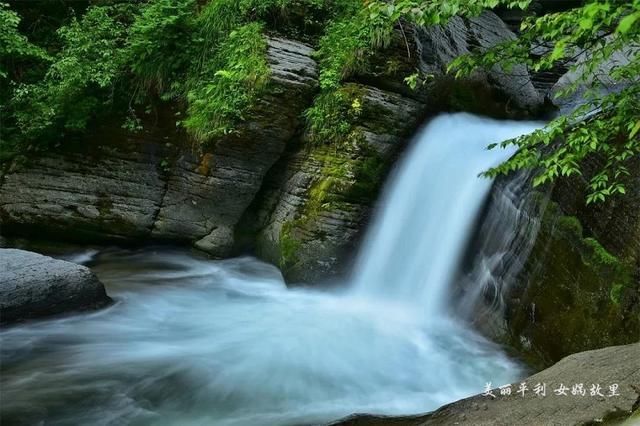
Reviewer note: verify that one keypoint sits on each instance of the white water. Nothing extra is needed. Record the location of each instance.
(414, 248)
(200, 342)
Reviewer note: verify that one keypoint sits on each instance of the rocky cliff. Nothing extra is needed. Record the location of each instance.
(130, 187)
(579, 288)
(305, 202)
(319, 197)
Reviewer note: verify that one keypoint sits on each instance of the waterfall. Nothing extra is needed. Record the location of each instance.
(194, 341)
(415, 245)
(500, 247)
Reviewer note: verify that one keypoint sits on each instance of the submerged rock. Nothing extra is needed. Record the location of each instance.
(602, 387)
(34, 286)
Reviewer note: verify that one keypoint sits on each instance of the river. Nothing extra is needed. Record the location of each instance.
(193, 341)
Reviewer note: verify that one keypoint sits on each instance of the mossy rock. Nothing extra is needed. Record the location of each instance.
(573, 295)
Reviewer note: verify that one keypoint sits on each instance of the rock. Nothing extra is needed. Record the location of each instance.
(574, 283)
(495, 92)
(318, 198)
(109, 188)
(607, 84)
(618, 365)
(571, 295)
(35, 286)
(119, 186)
(310, 214)
(218, 242)
(207, 195)
(316, 201)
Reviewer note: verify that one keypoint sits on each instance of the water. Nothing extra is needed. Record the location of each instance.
(429, 212)
(500, 249)
(198, 342)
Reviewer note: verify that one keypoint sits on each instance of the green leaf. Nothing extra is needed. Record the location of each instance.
(627, 22)
(635, 130)
(586, 23)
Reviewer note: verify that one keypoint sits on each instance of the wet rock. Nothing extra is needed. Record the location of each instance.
(35, 286)
(593, 372)
(496, 92)
(571, 295)
(319, 197)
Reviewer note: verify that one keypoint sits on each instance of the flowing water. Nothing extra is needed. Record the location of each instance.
(198, 342)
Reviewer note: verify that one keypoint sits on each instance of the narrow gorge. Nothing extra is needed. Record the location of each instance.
(353, 247)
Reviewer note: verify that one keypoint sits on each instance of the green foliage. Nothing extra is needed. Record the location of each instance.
(159, 40)
(210, 59)
(348, 43)
(228, 84)
(333, 114)
(80, 80)
(13, 45)
(354, 37)
(606, 128)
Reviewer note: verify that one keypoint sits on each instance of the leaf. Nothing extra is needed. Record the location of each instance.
(586, 23)
(627, 22)
(635, 130)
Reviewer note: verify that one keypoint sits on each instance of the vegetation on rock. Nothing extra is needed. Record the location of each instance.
(572, 289)
(120, 58)
(598, 42)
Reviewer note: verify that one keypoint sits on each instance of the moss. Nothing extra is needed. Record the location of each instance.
(616, 293)
(332, 117)
(289, 245)
(570, 226)
(599, 254)
(369, 174)
(576, 295)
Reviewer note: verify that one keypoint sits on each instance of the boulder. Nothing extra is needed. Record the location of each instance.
(35, 286)
(606, 392)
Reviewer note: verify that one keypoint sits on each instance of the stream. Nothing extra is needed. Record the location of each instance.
(193, 341)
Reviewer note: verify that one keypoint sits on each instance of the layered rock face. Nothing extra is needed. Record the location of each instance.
(317, 200)
(305, 202)
(593, 401)
(206, 195)
(320, 198)
(34, 286)
(494, 92)
(117, 186)
(580, 287)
